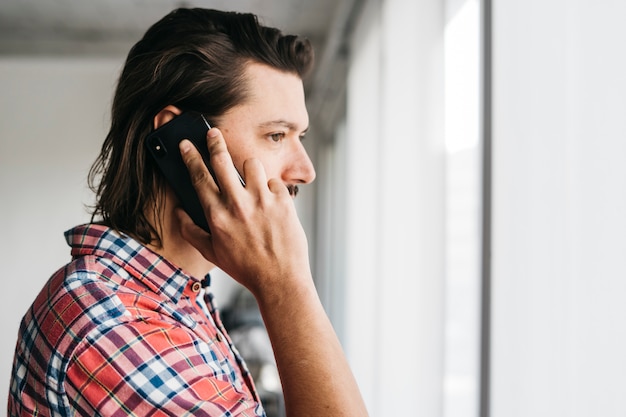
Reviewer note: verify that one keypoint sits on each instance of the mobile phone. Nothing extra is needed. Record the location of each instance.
(163, 145)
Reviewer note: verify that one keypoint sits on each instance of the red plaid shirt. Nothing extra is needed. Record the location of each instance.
(121, 331)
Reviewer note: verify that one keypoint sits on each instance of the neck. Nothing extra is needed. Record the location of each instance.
(175, 248)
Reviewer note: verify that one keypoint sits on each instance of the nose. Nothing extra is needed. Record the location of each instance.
(300, 169)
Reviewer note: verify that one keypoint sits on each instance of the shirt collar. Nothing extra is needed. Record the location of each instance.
(152, 269)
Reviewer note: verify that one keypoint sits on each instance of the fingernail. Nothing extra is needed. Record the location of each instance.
(184, 146)
(213, 133)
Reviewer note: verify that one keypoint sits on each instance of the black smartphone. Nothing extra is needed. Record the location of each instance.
(163, 146)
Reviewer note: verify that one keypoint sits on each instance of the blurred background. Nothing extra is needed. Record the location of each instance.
(467, 225)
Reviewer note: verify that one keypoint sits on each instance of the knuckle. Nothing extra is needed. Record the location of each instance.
(216, 220)
(199, 176)
(219, 158)
(216, 147)
(236, 209)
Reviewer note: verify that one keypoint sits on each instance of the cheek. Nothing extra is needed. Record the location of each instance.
(237, 148)
(241, 149)
(240, 152)
(273, 165)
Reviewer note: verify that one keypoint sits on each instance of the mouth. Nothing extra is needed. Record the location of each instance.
(293, 190)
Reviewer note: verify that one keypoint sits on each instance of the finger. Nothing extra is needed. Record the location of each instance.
(201, 179)
(195, 235)
(222, 163)
(254, 172)
(277, 187)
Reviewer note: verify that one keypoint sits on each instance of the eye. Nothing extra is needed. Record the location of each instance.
(277, 137)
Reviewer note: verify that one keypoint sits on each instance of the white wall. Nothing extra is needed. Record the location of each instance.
(559, 205)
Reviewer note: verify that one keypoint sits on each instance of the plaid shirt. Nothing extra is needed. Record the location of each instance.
(120, 331)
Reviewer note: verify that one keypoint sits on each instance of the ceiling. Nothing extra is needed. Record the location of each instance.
(104, 27)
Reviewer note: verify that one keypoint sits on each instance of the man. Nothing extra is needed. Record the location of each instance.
(126, 327)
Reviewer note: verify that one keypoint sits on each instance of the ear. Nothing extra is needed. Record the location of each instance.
(165, 115)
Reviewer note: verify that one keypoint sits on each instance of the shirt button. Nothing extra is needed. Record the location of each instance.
(195, 287)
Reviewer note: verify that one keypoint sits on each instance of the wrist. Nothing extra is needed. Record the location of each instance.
(286, 293)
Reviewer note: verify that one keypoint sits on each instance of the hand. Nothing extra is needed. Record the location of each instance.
(256, 236)
(257, 239)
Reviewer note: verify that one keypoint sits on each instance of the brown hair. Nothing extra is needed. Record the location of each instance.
(194, 59)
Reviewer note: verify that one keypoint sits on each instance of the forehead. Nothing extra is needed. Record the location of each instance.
(274, 95)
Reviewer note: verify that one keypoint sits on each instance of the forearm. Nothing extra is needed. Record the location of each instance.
(315, 375)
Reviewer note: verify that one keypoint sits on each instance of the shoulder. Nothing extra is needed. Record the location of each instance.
(76, 299)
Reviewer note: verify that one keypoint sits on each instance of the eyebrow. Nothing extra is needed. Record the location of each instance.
(282, 123)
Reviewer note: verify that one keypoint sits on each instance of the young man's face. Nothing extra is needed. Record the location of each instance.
(270, 126)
